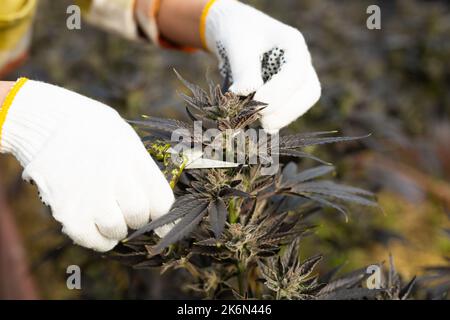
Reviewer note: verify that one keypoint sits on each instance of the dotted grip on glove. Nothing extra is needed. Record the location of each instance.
(271, 63)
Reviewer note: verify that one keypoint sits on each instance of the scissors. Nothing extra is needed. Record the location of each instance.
(175, 162)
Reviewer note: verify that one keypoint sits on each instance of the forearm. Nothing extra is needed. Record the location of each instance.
(179, 21)
(5, 86)
(176, 22)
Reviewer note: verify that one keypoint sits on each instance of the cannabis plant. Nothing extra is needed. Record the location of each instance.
(236, 231)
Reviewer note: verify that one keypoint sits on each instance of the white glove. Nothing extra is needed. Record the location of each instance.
(259, 53)
(88, 163)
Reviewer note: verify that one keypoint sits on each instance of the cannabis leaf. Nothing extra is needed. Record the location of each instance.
(218, 214)
(182, 206)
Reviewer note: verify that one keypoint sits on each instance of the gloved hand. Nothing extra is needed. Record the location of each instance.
(89, 165)
(259, 53)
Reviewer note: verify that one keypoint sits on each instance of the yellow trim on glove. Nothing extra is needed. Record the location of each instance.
(8, 102)
(203, 23)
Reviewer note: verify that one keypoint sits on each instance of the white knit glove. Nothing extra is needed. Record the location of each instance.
(259, 53)
(89, 165)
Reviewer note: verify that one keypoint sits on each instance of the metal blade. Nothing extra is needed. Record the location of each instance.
(195, 160)
(209, 163)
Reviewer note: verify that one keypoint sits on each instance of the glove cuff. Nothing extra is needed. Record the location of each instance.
(28, 118)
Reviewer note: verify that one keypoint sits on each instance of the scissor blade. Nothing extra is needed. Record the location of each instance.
(195, 160)
(209, 164)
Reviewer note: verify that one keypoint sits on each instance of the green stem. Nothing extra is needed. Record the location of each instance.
(240, 278)
(234, 215)
(278, 297)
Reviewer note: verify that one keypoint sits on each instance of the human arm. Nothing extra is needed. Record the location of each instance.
(5, 86)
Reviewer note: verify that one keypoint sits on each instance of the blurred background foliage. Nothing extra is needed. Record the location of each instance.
(393, 83)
